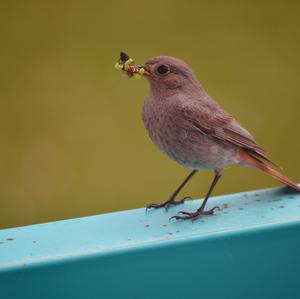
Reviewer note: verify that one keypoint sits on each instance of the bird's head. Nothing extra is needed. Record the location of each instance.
(165, 72)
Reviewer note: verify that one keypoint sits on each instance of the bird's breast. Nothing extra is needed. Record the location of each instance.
(170, 132)
(162, 126)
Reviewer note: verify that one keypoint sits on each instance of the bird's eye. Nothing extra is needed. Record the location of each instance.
(163, 69)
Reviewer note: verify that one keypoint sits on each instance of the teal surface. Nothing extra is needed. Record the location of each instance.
(249, 249)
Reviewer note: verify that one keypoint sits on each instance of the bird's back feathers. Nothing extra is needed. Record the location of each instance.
(213, 121)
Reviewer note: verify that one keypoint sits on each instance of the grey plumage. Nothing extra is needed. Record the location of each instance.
(187, 124)
(192, 129)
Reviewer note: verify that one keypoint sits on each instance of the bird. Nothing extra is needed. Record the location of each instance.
(190, 127)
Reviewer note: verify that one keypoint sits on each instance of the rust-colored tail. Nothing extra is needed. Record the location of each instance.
(249, 159)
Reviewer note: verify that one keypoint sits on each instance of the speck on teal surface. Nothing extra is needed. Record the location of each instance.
(248, 249)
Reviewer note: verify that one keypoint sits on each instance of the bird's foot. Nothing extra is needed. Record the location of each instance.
(194, 215)
(167, 204)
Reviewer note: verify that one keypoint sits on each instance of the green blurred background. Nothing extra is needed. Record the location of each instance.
(72, 139)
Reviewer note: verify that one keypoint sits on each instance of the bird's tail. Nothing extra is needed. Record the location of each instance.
(252, 160)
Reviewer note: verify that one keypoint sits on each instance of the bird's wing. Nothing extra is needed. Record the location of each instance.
(216, 123)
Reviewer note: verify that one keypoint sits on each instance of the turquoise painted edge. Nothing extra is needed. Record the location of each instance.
(135, 230)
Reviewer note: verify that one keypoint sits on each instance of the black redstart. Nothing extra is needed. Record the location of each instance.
(192, 129)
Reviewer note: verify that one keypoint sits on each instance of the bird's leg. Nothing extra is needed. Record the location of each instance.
(200, 211)
(171, 201)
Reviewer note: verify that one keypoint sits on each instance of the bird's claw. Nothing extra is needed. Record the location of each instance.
(167, 204)
(194, 215)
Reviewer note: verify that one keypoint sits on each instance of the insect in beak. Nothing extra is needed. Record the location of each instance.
(126, 64)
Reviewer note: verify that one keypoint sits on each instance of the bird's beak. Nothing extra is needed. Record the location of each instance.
(146, 70)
